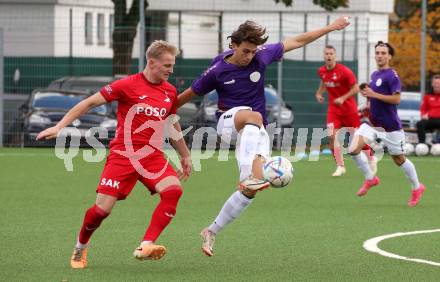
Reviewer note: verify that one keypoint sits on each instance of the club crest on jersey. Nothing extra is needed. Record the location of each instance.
(255, 76)
(379, 82)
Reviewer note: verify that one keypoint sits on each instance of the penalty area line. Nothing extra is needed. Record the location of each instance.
(371, 245)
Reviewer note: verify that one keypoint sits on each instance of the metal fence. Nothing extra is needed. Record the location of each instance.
(42, 44)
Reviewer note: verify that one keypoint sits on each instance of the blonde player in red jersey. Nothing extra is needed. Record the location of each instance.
(145, 101)
(341, 86)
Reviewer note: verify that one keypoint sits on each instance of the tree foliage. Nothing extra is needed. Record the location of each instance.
(124, 34)
(127, 21)
(405, 36)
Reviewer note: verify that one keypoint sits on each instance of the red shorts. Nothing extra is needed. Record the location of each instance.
(120, 176)
(337, 121)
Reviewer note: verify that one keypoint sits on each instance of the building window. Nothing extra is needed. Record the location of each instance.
(88, 29)
(100, 29)
(111, 27)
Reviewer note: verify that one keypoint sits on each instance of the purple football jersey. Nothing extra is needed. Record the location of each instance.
(239, 86)
(383, 114)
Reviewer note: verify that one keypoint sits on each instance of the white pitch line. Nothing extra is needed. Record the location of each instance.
(371, 246)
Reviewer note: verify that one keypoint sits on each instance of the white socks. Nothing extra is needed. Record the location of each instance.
(249, 139)
(81, 246)
(232, 208)
(410, 172)
(362, 163)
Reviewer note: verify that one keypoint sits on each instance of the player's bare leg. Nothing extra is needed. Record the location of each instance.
(92, 220)
(335, 147)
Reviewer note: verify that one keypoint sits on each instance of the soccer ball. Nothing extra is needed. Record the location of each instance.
(422, 149)
(435, 150)
(278, 171)
(408, 149)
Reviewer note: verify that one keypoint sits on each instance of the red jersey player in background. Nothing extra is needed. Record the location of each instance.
(341, 86)
(145, 100)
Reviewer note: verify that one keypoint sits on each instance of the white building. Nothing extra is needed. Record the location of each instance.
(82, 28)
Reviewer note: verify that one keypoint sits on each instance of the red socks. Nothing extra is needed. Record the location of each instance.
(93, 218)
(164, 212)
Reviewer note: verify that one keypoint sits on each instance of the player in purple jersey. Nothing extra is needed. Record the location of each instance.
(238, 76)
(384, 94)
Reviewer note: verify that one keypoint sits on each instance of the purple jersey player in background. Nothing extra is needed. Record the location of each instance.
(238, 77)
(384, 94)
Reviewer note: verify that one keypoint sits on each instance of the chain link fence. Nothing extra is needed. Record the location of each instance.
(81, 46)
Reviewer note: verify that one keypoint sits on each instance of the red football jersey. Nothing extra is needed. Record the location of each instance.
(142, 109)
(338, 82)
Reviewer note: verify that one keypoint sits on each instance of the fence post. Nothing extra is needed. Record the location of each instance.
(141, 35)
(423, 53)
(280, 81)
(1, 86)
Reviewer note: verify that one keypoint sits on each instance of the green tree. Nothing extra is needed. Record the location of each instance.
(124, 34)
(127, 21)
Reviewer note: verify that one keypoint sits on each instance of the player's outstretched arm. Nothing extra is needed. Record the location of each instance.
(81, 108)
(178, 142)
(185, 97)
(307, 37)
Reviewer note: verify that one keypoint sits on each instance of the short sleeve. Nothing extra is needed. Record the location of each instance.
(114, 91)
(173, 110)
(271, 52)
(394, 83)
(350, 77)
(205, 83)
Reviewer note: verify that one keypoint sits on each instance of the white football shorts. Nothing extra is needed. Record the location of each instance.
(394, 141)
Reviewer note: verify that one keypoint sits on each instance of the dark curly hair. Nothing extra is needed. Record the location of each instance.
(249, 31)
(384, 44)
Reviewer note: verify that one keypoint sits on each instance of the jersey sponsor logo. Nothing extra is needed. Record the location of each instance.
(379, 82)
(110, 182)
(255, 76)
(151, 111)
(330, 84)
(109, 89)
(142, 97)
(232, 81)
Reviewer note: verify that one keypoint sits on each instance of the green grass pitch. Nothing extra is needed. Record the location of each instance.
(313, 230)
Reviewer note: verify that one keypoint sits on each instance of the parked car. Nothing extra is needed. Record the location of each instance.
(208, 107)
(409, 109)
(46, 107)
(90, 84)
(93, 84)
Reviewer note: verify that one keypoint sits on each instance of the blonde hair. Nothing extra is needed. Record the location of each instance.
(158, 47)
